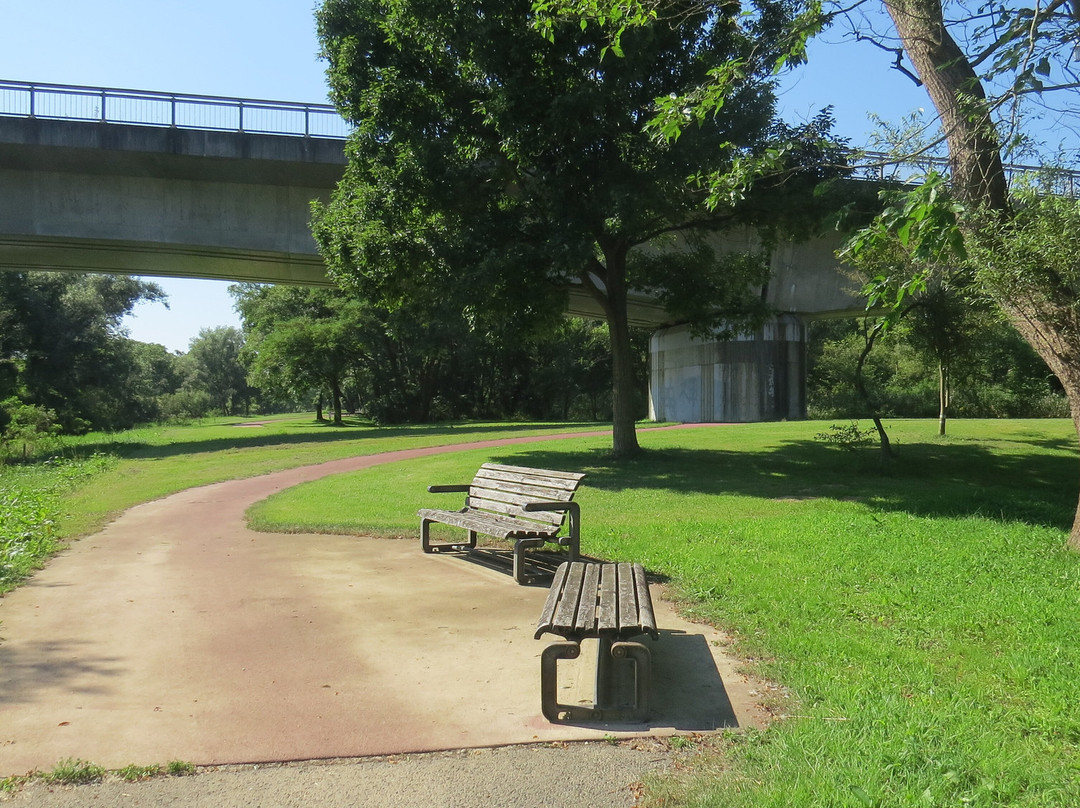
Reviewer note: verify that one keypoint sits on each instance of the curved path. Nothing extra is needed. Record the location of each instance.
(178, 634)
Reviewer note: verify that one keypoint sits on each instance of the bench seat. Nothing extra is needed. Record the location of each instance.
(528, 506)
(501, 527)
(611, 603)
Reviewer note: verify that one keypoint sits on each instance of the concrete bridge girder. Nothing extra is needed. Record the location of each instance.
(162, 202)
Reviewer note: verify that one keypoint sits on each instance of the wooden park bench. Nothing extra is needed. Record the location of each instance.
(609, 602)
(525, 505)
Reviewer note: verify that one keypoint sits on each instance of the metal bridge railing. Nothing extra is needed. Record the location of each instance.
(881, 167)
(147, 108)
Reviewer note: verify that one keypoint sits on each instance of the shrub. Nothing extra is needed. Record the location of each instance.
(28, 431)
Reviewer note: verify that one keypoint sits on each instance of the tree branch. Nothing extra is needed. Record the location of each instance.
(698, 224)
(898, 53)
(1037, 90)
(1012, 34)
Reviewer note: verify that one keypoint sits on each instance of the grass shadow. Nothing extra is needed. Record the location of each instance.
(314, 433)
(926, 479)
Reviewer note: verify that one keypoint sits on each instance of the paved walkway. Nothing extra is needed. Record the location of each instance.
(177, 634)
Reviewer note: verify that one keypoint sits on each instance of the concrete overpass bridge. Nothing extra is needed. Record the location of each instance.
(161, 184)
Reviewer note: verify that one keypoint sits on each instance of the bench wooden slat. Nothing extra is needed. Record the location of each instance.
(547, 616)
(503, 527)
(572, 592)
(644, 599)
(510, 509)
(589, 599)
(607, 618)
(568, 479)
(628, 604)
(519, 494)
(586, 616)
(537, 487)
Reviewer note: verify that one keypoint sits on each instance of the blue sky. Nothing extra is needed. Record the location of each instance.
(267, 49)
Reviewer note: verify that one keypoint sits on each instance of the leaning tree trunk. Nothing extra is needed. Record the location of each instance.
(978, 179)
(978, 176)
(870, 336)
(1054, 333)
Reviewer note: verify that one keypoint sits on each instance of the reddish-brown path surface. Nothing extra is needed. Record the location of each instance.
(178, 634)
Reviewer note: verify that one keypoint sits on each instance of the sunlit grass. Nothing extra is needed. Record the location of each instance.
(921, 614)
(157, 461)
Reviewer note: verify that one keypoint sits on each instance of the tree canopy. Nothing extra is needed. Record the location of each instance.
(495, 166)
(215, 366)
(62, 346)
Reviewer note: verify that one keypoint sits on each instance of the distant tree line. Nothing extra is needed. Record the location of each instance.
(67, 365)
(424, 360)
(992, 372)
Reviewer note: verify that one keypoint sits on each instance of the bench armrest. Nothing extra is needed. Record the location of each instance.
(551, 506)
(574, 510)
(448, 489)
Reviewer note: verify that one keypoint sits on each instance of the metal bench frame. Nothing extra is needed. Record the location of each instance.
(525, 505)
(609, 602)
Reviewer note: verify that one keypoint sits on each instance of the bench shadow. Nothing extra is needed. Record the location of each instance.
(688, 693)
(540, 565)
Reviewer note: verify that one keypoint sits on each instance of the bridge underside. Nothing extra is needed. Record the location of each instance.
(160, 260)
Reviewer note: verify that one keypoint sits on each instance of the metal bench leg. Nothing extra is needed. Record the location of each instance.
(642, 660)
(549, 676)
(573, 544)
(520, 546)
(428, 547)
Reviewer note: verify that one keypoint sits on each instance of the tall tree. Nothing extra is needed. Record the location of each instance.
(979, 67)
(1026, 47)
(490, 160)
(302, 338)
(215, 366)
(62, 344)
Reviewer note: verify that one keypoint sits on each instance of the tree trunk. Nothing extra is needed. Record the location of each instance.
(943, 396)
(860, 387)
(1053, 334)
(335, 391)
(624, 442)
(612, 298)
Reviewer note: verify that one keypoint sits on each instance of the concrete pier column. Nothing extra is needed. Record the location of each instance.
(753, 377)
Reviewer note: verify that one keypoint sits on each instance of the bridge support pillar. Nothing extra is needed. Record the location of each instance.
(752, 377)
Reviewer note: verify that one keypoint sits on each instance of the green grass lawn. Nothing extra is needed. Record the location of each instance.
(920, 617)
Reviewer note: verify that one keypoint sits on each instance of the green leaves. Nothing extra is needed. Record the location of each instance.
(926, 221)
(917, 234)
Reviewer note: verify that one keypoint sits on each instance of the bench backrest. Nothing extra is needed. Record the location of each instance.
(506, 489)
